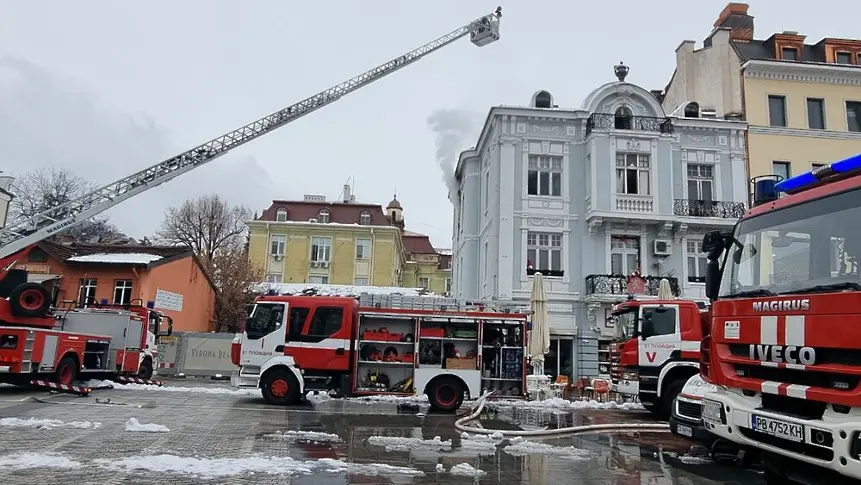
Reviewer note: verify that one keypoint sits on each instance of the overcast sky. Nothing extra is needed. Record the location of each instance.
(108, 87)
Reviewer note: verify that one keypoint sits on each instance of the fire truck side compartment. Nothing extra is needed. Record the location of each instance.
(126, 332)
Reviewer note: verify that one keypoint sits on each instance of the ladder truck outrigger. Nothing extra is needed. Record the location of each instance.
(35, 337)
(784, 344)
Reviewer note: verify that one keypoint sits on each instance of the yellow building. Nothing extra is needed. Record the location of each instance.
(802, 101)
(426, 267)
(316, 241)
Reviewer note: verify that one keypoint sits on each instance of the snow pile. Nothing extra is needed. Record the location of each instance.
(116, 258)
(689, 459)
(466, 470)
(481, 442)
(559, 403)
(200, 390)
(338, 290)
(25, 461)
(225, 467)
(394, 443)
(136, 426)
(292, 435)
(47, 423)
(419, 399)
(522, 447)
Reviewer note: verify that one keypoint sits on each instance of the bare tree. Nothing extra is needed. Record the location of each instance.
(234, 275)
(46, 188)
(206, 224)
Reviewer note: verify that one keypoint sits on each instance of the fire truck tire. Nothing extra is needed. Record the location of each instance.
(672, 390)
(145, 371)
(445, 394)
(29, 300)
(67, 370)
(280, 387)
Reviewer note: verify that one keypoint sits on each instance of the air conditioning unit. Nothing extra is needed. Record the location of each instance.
(312, 220)
(663, 247)
(314, 264)
(277, 257)
(324, 264)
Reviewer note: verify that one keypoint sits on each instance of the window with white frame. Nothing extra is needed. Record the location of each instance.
(544, 251)
(365, 218)
(281, 215)
(321, 249)
(361, 281)
(122, 292)
(273, 278)
(633, 174)
(545, 175)
(323, 216)
(277, 245)
(87, 291)
(424, 283)
(363, 248)
(318, 280)
(624, 254)
(696, 261)
(700, 182)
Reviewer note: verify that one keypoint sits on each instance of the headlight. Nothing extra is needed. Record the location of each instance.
(630, 376)
(713, 412)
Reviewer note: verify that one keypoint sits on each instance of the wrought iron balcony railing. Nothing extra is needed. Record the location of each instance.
(607, 121)
(617, 284)
(708, 208)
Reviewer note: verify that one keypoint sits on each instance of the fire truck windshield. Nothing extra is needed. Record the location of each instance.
(626, 324)
(806, 247)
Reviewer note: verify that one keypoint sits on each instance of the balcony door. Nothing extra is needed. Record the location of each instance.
(624, 254)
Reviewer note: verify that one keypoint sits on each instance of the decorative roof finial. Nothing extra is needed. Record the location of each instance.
(621, 71)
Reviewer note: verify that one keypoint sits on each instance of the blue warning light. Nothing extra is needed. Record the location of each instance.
(801, 181)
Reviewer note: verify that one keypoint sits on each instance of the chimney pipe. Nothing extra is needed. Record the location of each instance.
(347, 196)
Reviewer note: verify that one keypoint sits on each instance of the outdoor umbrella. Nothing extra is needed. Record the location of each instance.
(664, 291)
(539, 336)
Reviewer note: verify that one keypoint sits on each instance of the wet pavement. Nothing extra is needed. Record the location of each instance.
(219, 435)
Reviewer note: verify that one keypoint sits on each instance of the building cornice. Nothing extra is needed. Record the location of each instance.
(707, 124)
(803, 72)
(821, 134)
(323, 226)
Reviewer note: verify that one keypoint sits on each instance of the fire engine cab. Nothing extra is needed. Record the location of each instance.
(784, 346)
(656, 349)
(377, 344)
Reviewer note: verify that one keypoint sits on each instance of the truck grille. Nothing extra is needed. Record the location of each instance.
(689, 410)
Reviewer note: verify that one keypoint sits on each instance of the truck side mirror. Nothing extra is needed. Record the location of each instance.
(169, 330)
(712, 279)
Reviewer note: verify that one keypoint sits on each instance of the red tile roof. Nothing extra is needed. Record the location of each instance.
(62, 252)
(302, 211)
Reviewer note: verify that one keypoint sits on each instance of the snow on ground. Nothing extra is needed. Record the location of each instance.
(47, 423)
(419, 399)
(201, 390)
(559, 403)
(689, 459)
(466, 470)
(395, 443)
(25, 461)
(136, 426)
(523, 447)
(313, 436)
(481, 442)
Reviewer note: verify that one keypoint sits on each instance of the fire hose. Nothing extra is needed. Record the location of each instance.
(462, 425)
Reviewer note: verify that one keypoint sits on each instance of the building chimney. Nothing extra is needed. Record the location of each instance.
(735, 17)
(347, 197)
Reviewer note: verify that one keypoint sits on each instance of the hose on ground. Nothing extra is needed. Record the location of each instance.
(462, 425)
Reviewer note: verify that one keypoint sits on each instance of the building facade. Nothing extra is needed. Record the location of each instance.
(589, 197)
(169, 276)
(802, 101)
(320, 242)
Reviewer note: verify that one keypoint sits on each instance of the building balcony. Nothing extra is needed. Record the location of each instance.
(553, 273)
(608, 121)
(708, 208)
(606, 284)
(640, 204)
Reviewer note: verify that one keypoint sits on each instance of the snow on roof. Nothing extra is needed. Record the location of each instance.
(116, 258)
(444, 251)
(340, 290)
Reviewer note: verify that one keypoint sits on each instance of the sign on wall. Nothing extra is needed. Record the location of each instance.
(167, 300)
(208, 354)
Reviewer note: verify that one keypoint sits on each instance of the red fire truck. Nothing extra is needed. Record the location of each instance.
(377, 345)
(656, 349)
(784, 342)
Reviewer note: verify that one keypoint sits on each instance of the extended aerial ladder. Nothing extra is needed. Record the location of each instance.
(23, 233)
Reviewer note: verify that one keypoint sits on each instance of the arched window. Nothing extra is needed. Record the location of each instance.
(323, 216)
(365, 218)
(692, 110)
(624, 118)
(543, 100)
(281, 215)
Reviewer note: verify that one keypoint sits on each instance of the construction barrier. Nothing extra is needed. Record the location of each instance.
(195, 354)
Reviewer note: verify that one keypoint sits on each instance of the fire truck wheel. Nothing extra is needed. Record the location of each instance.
(280, 387)
(67, 371)
(669, 396)
(29, 300)
(145, 370)
(446, 394)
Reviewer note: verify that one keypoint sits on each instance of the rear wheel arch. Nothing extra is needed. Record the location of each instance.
(674, 371)
(446, 392)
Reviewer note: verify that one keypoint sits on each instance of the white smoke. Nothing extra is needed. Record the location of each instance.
(451, 127)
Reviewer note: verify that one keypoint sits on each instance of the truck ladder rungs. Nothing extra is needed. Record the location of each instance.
(138, 380)
(65, 388)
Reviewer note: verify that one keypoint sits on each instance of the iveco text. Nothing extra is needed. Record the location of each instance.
(790, 354)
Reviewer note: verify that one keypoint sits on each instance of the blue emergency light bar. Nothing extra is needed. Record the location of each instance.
(150, 304)
(800, 181)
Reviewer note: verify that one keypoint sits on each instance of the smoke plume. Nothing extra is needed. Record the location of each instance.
(451, 127)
